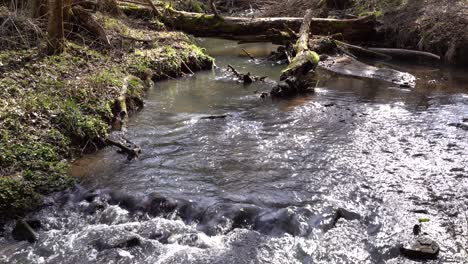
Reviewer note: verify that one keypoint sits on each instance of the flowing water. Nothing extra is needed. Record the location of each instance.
(338, 176)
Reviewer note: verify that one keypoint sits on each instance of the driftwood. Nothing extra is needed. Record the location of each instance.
(404, 54)
(246, 78)
(249, 55)
(361, 52)
(276, 29)
(214, 117)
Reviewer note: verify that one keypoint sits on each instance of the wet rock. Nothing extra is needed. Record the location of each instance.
(126, 201)
(157, 204)
(123, 243)
(277, 223)
(89, 197)
(420, 211)
(416, 230)
(421, 248)
(343, 213)
(95, 206)
(23, 231)
(34, 223)
(459, 125)
(245, 217)
(162, 238)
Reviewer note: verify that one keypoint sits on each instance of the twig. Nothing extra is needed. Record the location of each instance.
(248, 54)
(234, 71)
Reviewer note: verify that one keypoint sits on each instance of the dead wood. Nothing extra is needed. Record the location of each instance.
(133, 151)
(246, 78)
(275, 29)
(304, 61)
(404, 54)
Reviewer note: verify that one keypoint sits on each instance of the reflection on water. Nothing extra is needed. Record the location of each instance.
(264, 184)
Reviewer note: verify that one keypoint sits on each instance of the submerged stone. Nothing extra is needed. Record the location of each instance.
(121, 243)
(23, 231)
(421, 247)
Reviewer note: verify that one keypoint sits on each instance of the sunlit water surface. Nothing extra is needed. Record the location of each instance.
(264, 184)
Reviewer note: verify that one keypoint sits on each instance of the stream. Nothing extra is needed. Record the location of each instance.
(338, 176)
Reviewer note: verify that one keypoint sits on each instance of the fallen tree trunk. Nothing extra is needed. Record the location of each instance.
(304, 61)
(404, 54)
(361, 52)
(276, 30)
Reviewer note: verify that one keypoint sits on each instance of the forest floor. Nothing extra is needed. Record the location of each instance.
(55, 108)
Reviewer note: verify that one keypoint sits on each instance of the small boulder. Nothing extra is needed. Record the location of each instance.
(23, 231)
(421, 248)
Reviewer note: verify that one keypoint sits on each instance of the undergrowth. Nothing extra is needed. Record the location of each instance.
(55, 108)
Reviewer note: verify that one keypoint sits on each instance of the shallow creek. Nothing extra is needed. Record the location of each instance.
(338, 176)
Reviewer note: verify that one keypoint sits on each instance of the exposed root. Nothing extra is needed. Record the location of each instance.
(90, 23)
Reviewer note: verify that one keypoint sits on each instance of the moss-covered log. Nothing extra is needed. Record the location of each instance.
(305, 59)
(276, 30)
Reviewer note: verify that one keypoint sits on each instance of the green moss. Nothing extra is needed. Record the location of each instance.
(53, 107)
(17, 196)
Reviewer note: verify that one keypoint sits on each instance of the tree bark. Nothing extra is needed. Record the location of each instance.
(305, 59)
(55, 32)
(153, 7)
(276, 30)
(38, 8)
(213, 9)
(90, 23)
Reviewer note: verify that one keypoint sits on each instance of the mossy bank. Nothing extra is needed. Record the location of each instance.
(55, 108)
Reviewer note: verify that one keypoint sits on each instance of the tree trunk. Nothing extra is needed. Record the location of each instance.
(67, 5)
(90, 23)
(213, 9)
(55, 33)
(305, 59)
(38, 8)
(153, 7)
(276, 30)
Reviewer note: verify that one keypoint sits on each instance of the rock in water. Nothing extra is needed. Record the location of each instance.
(421, 248)
(23, 231)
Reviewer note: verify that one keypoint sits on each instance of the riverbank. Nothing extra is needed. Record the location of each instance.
(433, 26)
(55, 108)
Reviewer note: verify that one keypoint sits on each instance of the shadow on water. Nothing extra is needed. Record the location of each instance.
(338, 176)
